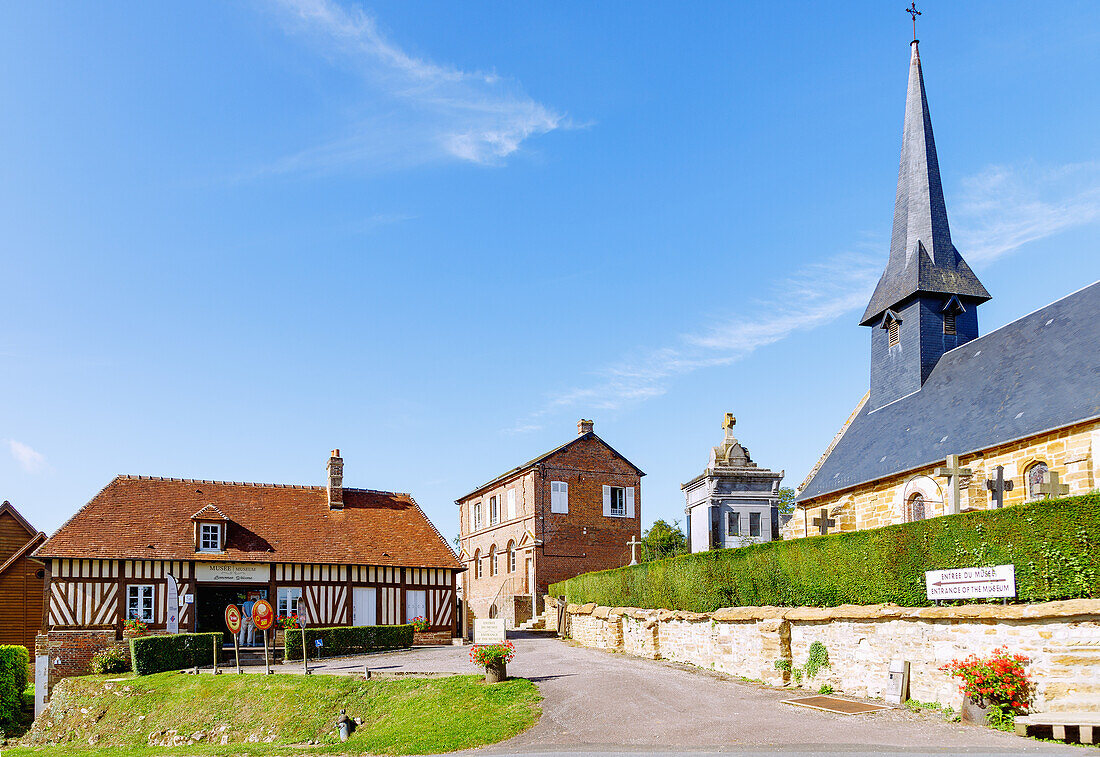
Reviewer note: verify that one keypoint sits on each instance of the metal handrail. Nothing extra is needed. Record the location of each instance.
(508, 582)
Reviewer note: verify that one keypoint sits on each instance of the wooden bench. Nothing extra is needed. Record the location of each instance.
(1087, 724)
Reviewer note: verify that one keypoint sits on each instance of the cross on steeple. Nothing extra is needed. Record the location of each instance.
(998, 485)
(824, 522)
(954, 472)
(1052, 485)
(634, 543)
(912, 11)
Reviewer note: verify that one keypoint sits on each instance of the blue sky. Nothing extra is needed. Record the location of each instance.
(236, 235)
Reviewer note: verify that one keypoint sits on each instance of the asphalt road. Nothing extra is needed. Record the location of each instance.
(595, 701)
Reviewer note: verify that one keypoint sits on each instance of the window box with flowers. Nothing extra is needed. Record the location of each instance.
(494, 658)
(995, 688)
(134, 627)
(282, 624)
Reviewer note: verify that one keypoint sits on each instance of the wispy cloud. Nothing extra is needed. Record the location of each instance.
(422, 111)
(28, 459)
(1003, 208)
(1000, 210)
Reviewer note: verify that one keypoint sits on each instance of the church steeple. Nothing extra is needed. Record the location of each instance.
(922, 258)
(925, 303)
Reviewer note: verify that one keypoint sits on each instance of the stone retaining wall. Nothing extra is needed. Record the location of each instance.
(71, 652)
(1062, 639)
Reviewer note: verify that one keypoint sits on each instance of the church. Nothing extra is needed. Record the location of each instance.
(953, 420)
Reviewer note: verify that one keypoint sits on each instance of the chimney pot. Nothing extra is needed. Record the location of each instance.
(584, 427)
(336, 481)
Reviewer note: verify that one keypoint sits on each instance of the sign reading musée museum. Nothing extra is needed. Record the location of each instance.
(971, 583)
(233, 572)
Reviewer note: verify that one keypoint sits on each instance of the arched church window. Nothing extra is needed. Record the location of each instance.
(915, 508)
(1035, 476)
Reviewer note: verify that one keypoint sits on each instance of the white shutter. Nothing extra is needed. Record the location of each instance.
(511, 503)
(629, 501)
(563, 493)
(607, 500)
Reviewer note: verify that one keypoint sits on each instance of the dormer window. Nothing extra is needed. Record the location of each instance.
(210, 537)
(892, 324)
(950, 311)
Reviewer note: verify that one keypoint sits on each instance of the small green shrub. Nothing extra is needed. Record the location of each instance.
(783, 665)
(155, 654)
(110, 660)
(341, 640)
(825, 689)
(818, 659)
(14, 659)
(1054, 544)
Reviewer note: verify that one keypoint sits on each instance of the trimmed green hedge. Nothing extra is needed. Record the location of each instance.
(1055, 546)
(339, 640)
(14, 659)
(155, 654)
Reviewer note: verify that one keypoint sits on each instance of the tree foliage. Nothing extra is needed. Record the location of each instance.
(663, 540)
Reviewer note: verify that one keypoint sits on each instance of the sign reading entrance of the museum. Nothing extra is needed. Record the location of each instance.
(233, 572)
(971, 583)
(489, 631)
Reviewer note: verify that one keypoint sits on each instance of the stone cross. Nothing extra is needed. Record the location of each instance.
(824, 523)
(953, 472)
(1052, 486)
(634, 544)
(998, 485)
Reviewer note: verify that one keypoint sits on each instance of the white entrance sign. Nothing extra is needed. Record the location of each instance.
(971, 583)
(41, 674)
(233, 572)
(173, 605)
(489, 631)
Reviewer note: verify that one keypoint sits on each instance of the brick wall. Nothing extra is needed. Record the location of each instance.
(425, 638)
(1062, 639)
(71, 652)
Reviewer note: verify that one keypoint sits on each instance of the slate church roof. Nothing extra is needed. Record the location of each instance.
(1036, 374)
(922, 257)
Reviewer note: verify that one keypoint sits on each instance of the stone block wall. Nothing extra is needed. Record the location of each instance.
(1062, 639)
(71, 652)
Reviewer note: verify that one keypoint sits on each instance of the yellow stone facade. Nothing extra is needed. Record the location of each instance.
(1074, 452)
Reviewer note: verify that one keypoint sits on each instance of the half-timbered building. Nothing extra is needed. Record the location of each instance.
(345, 556)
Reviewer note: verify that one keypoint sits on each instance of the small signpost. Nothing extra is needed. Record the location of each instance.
(971, 583)
(263, 615)
(233, 623)
(302, 623)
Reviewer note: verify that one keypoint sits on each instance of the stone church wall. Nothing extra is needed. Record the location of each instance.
(1062, 639)
(1074, 452)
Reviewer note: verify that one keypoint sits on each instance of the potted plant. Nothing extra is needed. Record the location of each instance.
(284, 622)
(994, 688)
(134, 627)
(494, 658)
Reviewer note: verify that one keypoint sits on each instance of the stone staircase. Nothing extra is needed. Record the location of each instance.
(533, 625)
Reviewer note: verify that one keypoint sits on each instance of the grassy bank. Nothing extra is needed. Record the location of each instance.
(1055, 546)
(278, 715)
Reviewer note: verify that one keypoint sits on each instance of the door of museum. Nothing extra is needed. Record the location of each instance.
(211, 601)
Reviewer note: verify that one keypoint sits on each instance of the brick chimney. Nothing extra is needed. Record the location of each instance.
(336, 481)
(584, 427)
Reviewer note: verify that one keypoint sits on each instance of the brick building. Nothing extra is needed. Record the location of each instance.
(22, 580)
(564, 513)
(346, 556)
(954, 420)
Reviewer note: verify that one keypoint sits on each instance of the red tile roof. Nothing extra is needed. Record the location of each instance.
(148, 518)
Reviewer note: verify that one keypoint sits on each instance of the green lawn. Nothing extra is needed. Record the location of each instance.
(400, 716)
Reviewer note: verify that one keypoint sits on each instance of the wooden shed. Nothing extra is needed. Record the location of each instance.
(22, 580)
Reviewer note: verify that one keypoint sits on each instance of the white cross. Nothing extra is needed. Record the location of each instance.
(953, 473)
(633, 544)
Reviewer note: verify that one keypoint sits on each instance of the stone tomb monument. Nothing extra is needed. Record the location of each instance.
(733, 502)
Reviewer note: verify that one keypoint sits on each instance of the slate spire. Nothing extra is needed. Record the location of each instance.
(922, 257)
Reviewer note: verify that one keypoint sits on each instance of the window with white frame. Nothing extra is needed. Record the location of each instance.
(210, 537)
(493, 560)
(288, 600)
(618, 501)
(511, 503)
(139, 602)
(477, 515)
(511, 557)
(477, 563)
(559, 497)
(494, 510)
(734, 520)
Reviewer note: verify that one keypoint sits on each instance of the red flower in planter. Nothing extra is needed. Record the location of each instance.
(489, 654)
(999, 679)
